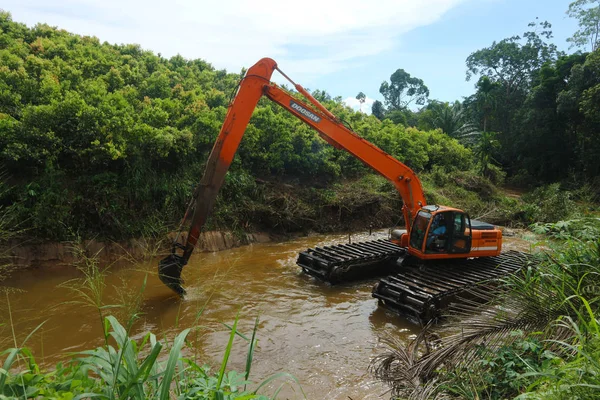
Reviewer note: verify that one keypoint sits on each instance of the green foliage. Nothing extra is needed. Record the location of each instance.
(485, 149)
(511, 62)
(587, 12)
(586, 229)
(9, 228)
(472, 192)
(542, 103)
(361, 97)
(452, 120)
(535, 335)
(402, 90)
(132, 369)
(378, 110)
(548, 204)
(575, 372)
(486, 98)
(504, 373)
(104, 140)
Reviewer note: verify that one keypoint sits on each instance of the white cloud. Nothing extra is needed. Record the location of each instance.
(307, 38)
(355, 104)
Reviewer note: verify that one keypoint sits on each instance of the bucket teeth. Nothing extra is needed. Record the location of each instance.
(169, 272)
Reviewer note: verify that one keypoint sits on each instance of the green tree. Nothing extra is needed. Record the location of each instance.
(486, 147)
(378, 110)
(402, 90)
(512, 62)
(510, 65)
(486, 98)
(578, 102)
(361, 97)
(587, 12)
(105, 140)
(454, 121)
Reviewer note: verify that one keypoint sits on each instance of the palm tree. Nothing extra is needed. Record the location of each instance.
(484, 150)
(486, 98)
(454, 121)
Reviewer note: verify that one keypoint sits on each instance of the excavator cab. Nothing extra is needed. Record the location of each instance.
(439, 231)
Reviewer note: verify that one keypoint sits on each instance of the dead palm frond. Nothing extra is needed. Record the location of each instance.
(397, 367)
(485, 322)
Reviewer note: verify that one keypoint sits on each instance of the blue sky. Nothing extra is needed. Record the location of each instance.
(341, 46)
(437, 52)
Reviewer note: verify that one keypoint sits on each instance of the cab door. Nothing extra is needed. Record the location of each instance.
(460, 234)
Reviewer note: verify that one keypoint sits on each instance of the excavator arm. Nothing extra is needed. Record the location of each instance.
(257, 83)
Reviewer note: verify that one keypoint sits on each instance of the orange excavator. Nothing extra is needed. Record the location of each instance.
(433, 232)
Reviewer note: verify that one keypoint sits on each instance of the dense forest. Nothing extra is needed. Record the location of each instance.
(535, 112)
(104, 139)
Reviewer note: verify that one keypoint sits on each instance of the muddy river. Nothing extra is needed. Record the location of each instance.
(325, 336)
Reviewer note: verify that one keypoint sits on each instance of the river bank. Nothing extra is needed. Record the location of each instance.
(47, 253)
(40, 254)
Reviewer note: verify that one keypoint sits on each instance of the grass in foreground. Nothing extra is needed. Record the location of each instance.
(129, 369)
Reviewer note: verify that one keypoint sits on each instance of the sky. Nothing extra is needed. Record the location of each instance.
(340, 46)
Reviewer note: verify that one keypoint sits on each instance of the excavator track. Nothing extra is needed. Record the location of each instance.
(422, 292)
(347, 262)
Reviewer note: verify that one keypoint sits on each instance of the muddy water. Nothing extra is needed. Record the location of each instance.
(325, 336)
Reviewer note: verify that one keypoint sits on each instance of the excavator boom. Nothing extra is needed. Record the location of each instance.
(255, 84)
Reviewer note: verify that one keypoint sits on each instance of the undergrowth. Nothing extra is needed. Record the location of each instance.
(128, 369)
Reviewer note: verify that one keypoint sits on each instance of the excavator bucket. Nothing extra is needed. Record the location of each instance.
(169, 272)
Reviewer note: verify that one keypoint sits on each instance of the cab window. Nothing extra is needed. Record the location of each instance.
(459, 223)
(419, 229)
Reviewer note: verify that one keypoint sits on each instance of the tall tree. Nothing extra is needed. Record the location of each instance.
(402, 90)
(587, 12)
(378, 110)
(361, 97)
(486, 98)
(484, 151)
(512, 62)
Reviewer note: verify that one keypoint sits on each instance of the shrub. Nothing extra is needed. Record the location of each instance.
(547, 204)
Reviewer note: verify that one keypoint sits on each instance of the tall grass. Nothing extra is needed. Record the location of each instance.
(126, 368)
(88, 290)
(9, 228)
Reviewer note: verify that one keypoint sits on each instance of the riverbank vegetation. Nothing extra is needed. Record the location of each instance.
(108, 141)
(534, 336)
(133, 369)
